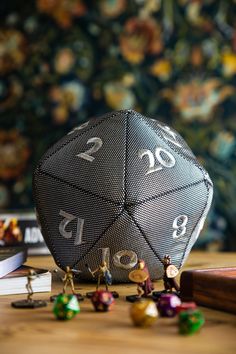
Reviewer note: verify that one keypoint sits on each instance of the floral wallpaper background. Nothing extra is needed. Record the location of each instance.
(62, 61)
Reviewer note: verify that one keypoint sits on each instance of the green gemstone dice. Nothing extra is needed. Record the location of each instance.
(65, 307)
(190, 321)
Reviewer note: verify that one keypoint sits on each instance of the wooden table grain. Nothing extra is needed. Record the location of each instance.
(37, 331)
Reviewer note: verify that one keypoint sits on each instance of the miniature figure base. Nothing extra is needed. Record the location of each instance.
(157, 294)
(79, 297)
(105, 308)
(114, 294)
(133, 298)
(28, 304)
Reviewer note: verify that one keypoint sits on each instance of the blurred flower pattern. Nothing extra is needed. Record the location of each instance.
(62, 61)
(140, 37)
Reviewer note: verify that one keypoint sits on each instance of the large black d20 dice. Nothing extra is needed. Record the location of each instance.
(121, 187)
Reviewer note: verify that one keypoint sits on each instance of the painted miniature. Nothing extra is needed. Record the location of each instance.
(68, 280)
(144, 288)
(105, 276)
(141, 277)
(170, 272)
(29, 302)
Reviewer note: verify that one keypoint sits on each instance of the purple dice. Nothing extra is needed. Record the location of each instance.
(167, 305)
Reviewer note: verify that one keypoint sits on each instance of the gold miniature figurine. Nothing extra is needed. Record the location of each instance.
(68, 279)
(29, 302)
(103, 274)
(32, 275)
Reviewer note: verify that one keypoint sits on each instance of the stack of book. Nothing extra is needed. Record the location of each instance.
(13, 274)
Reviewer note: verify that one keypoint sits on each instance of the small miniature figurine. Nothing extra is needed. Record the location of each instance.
(144, 313)
(66, 306)
(146, 287)
(104, 275)
(31, 276)
(142, 278)
(102, 300)
(170, 272)
(29, 302)
(68, 280)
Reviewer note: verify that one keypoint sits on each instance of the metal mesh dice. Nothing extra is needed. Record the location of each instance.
(121, 187)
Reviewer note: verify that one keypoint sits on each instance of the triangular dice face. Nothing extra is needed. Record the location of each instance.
(199, 226)
(95, 154)
(73, 134)
(153, 167)
(125, 183)
(169, 135)
(72, 221)
(169, 221)
(123, 239)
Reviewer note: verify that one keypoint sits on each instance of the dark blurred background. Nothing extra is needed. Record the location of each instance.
(63, 61)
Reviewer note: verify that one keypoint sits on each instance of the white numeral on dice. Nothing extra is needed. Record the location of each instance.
(68, 234)
(117, 259)
(159, 152)
(87, 154)
(179, 226)
(171, 135)
(82, 126)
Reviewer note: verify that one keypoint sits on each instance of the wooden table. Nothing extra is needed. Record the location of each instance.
(37, 331)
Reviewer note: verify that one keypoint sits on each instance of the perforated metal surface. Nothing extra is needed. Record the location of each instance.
(139, 189)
